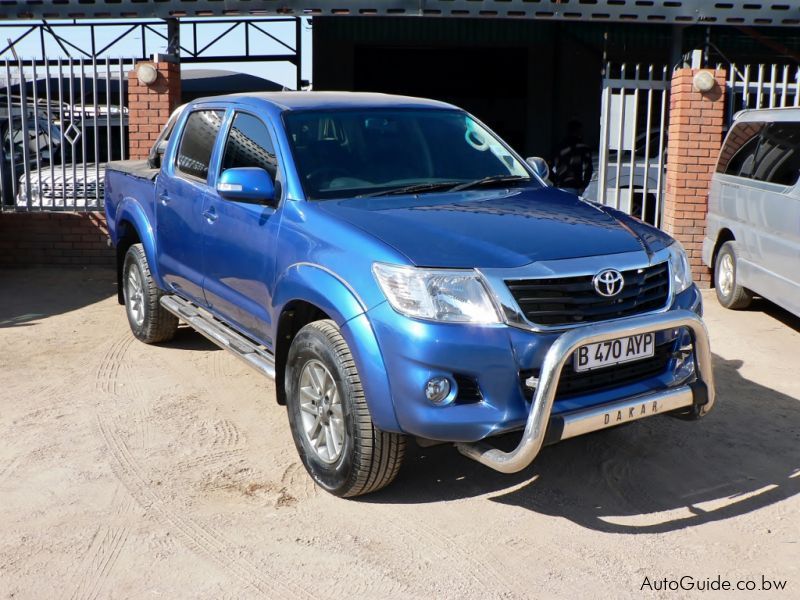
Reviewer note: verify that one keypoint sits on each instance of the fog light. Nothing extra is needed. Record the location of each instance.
(684, 364)
(531, 383)
(437, 390)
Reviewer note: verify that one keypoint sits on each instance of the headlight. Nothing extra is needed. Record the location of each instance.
(23, 194)
(436, 294)
(679, 267)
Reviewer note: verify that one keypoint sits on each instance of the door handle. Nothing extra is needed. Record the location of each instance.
(210, 215)
(164, 199)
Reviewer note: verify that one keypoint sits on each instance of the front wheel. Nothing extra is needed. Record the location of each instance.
(331, 425)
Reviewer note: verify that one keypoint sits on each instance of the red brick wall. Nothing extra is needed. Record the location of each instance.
(695, 137)
(54, 238)
(149, 106)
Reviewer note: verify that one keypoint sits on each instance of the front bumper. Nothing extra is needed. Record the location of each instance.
(494, 358)
(697, 398)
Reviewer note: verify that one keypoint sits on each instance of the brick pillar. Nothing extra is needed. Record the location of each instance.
(149, 106)
(695, 137)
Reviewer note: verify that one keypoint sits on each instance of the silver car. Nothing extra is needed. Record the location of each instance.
(63, 186)
(633, 185)
(752, 238)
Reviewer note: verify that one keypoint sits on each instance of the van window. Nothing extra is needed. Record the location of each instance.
(197, 143)
(738, 154)
(778, 157)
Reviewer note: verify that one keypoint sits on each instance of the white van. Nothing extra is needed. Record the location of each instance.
(752, 238)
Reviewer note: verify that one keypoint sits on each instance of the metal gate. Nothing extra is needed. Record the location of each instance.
(631, 162)
(762, 86)
(60, 122)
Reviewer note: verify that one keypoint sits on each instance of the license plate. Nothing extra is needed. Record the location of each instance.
(614, 352)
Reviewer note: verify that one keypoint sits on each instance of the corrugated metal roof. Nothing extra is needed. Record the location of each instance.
(734, 12)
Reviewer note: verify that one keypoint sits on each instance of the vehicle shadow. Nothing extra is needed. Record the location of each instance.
(776, 312)
(187, 338)
(652, 476)
(30, 295)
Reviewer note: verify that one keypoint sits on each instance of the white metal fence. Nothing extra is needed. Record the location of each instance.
(631, 160)
(60, 122)
(762, 86)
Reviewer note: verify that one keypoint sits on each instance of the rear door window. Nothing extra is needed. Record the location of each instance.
(738, 154)
(197, 143)
(777, 159)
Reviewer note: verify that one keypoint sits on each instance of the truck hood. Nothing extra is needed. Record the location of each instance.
(491, 228)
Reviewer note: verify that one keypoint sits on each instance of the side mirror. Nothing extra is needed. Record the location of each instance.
(246, 184)
(154, 158)
(539, 166)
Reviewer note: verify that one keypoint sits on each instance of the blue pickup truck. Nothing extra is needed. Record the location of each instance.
(401, 272)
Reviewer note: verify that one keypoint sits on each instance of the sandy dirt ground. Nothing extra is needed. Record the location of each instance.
(133, 471)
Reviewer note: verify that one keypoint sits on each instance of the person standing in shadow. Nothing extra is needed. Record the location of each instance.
(572, 166)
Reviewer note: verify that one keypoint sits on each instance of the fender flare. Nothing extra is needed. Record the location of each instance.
(131, 210)
(323, 288)
(319, 286)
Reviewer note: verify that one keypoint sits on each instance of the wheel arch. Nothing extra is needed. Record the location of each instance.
(308, 293)
(295, 315)
(127, 236)
(724, 235)
(133, 227)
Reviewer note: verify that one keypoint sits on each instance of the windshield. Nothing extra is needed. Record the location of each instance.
(346, 153)
(40, 140)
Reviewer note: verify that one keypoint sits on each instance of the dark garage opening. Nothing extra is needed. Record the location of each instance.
(488, 82)
(525, 80)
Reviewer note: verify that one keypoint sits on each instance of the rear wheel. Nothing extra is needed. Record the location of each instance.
(149, 321)
(729, 293)
(339, 445)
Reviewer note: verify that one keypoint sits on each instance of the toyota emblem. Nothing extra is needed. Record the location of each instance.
(608, 283)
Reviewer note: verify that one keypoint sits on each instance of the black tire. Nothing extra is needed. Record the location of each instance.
(729, 293)
(369, 458)
(149, 321)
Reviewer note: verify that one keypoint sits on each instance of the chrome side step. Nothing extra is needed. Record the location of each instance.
(221, 334)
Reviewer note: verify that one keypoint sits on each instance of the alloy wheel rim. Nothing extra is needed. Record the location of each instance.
(135, 291)
(321, 414)
(725, 279)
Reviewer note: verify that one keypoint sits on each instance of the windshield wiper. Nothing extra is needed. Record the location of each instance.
(488, 180)
(412, 189)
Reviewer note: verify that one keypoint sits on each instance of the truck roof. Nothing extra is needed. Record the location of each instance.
(327, 100)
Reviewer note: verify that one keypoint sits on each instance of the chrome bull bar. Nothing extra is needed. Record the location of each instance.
(698, 394)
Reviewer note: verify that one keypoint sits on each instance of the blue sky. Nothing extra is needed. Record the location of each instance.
(231, 45)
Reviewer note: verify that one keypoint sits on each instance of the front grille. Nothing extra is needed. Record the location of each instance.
(573, 300)
(572, 383)
(78, 190)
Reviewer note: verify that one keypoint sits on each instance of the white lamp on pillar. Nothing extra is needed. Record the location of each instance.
(703, 82)
(146, 74)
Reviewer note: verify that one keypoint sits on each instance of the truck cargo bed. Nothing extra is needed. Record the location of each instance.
(136, 168)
